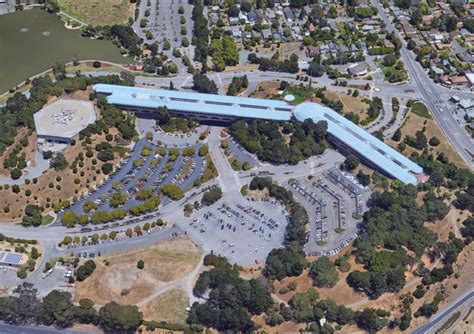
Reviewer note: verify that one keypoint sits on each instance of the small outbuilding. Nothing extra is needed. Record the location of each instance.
(357, 70)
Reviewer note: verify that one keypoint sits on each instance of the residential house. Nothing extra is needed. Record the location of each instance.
(288, 14)
(252, 17)
(266, 34)
(312, 51)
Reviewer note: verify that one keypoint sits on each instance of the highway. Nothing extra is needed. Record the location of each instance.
(433, 95)
(468, 296)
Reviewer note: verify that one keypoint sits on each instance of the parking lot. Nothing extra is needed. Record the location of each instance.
(183, 172)
(243, 230)
(240, 153)
(334, 211)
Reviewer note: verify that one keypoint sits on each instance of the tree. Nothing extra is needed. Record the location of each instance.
(434, 141)
(315, 69)
(397, 135)
(16, 173)
(211, 196)
(284, 262)
(115, 318)
(32, 216)
(390, 59)
(59, 162)
(351, 162)
(140, 264)
(343, 264)
(107, 168)
(85, 270)
(370, 321)
(86, 313)
(302, 304)
(359, 280)
(59, 71)
(58, 309)
(233, 11)
(69, 218)
(323, 272)
(172, 191)
(203, 84)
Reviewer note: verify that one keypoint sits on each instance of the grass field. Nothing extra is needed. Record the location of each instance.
(414, 123)
(169, 307)
(99, 12)
(356, 104)
(36, 40)
(418, 108)
(124, 283)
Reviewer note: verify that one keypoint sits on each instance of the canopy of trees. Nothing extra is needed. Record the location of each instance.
(203, 84)
(264, 139)
(56, 309)
(232, 300)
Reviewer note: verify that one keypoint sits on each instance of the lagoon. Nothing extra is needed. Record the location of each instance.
(31, 41)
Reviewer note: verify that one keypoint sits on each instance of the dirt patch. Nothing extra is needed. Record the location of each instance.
(124, 283)
(266, 89)
(170, 307)
(257, 193)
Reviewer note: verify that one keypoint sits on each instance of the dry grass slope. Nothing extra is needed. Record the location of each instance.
(99, 12)
(122, 282)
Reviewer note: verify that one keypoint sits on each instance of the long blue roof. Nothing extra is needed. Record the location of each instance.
(362, 142)
(374, 150)
(196, 102)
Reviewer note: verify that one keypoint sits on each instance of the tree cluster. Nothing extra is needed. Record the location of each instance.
(264, 139)
(56, 309)
(232, 300)
(211, 196)
(237, 84)
(203, 84)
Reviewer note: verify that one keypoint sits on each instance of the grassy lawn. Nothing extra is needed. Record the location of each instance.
(99, 12)
(47, 220)
(36, 40)
(418, 108)
(392, 74)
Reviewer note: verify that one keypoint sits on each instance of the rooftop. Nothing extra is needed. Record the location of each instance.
(362, 142)
(64, 118)
(196, 102)
(359, 140)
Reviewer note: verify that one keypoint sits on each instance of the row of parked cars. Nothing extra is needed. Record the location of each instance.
(320, 210)
(337, 249)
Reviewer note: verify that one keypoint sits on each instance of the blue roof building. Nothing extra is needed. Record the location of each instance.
(209, 107)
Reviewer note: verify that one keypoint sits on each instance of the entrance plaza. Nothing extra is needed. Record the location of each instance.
(218, 108)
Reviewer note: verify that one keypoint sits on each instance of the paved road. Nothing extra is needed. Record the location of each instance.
(433, 95)
(228, 179)
(467, 297)
(11, 329)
